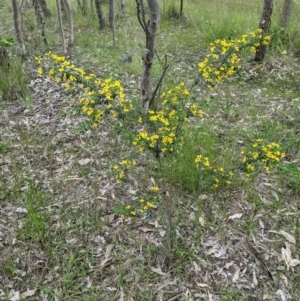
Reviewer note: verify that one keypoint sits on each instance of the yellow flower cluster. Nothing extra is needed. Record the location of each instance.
(144, 204)
(223, 59)
(121, 169)
(141, 207)
(164, 124)
(210, 176)
(100, 97)
(267, 153)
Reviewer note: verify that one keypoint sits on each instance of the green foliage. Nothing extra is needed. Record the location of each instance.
(290, 173)
(14, 80)
(230, 294)
(172, 11)
(6, 42)
(3, 147)
(37, 223)
(9, 267)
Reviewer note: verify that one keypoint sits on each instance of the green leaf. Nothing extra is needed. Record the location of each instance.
(6, 42)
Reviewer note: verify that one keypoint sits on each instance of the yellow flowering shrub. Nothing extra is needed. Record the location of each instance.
(99, 95)
(210, 176)
(224, 59)
(259, 154)
(160, 131)
(161, 128)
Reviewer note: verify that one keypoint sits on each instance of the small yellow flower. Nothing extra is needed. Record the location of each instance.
(154, 188)
(150, 205)
(38, 59)
(51, 72)
(206, 162)
(57, 79)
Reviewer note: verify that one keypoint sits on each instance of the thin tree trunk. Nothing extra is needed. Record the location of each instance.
(100, 14)
(286, 12)
(122, 10)
(112, 20)
(41, 19)
(63, 9)
(61, 26)
(17, 21)
(181, 8)
(264, 24)
(43, 5)
(3, 57)
(148, 57)
(82, 6)
(70, 23)
(92, 6)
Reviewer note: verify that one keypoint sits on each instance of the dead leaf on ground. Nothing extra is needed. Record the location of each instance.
(202, 285)
(236, 275)
(158, 271)
(234, 216)
(28, 293)
(287, 257)
(84, 161)
(288, 237)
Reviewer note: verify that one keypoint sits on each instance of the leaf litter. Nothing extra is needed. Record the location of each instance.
(91, 252)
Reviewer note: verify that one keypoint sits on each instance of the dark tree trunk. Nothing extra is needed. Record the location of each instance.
(63, 9)
(92, 6)
(100, 14)
(264, 24)
(17, 21)
(70, 25)
(112, 19)
(148, 57)
(122, 8)
(41, 4)
(41, 19)
(83, 6)
(58, 3)
(181, 8)
(286, 12)
(3, 57)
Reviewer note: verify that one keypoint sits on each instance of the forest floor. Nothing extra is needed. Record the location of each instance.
(60, 238)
